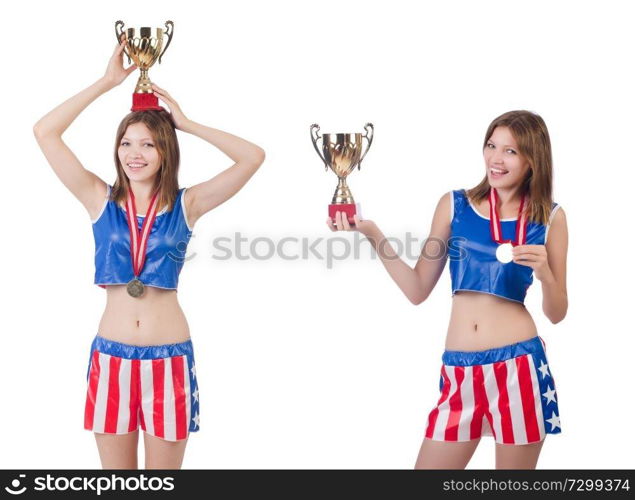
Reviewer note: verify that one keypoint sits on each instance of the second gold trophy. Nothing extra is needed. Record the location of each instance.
(342, 153)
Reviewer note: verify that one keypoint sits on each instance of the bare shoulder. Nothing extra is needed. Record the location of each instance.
(435, 246)
(442, 216)
(558, 221)
(557, 246)
(557, 235)
(559, 217)
(445, 200)
(444, 208)
(188, 199)
(95, 197)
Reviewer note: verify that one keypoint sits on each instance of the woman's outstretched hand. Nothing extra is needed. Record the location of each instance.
(115, 72)
(341, 224)
(177, 115)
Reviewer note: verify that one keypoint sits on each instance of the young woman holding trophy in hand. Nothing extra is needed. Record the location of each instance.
(141, 369)
(495, 377)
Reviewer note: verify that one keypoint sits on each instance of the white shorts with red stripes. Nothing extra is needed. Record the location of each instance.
(152, 386)
(507, 392)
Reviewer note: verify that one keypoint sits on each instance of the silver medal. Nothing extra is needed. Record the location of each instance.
(504, 253)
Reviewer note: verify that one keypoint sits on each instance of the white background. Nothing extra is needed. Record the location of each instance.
(301, 366)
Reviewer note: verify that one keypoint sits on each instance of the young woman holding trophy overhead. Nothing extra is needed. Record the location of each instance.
(141, 369)
(495, 378)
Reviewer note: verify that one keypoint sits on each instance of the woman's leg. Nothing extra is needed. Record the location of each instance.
(445, 454)
(518, 456)
(118, 451)
(163, 454)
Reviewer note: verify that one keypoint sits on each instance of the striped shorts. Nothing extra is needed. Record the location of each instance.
(507, 392)
(154, 386)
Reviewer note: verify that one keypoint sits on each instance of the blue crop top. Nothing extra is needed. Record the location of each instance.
(472, 252)
(165, 252)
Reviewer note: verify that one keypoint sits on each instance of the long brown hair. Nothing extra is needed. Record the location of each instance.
(531, 135)
(163, 133)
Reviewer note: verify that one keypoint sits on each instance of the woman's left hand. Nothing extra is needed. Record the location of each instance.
(177, 115)
(534, 256)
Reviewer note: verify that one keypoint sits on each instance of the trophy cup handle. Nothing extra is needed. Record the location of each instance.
(314, 138)
(370, 131)
(169, 29)
(118, 33)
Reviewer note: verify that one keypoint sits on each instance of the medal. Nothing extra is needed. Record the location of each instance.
(504, 253)
(135, 287)
(138, 240)
(504, 250)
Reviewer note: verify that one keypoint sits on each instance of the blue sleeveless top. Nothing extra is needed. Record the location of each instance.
(165, 250)
(472, 252)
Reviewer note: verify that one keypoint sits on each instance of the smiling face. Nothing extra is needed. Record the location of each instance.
(138, 154)
(505, 166)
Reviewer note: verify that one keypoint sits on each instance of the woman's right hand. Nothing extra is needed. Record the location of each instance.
(365, 227)
(115, 72)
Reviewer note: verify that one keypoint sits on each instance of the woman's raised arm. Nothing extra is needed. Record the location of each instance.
(247, 159)
(87, 187)
(415, 283)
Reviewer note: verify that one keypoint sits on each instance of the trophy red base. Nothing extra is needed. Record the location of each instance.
(142, 102)
(349, 209)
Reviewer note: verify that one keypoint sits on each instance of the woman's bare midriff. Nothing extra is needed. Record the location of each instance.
(155, 318)
(481, 321)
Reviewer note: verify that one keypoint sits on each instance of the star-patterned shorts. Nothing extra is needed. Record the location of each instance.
(154, 386)
(507, 392)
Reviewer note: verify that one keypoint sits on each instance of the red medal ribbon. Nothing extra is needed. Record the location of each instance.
(139, 239)
(495, 223)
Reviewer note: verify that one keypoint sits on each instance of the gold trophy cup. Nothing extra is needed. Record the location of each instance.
(144, 46)
(342, 153)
